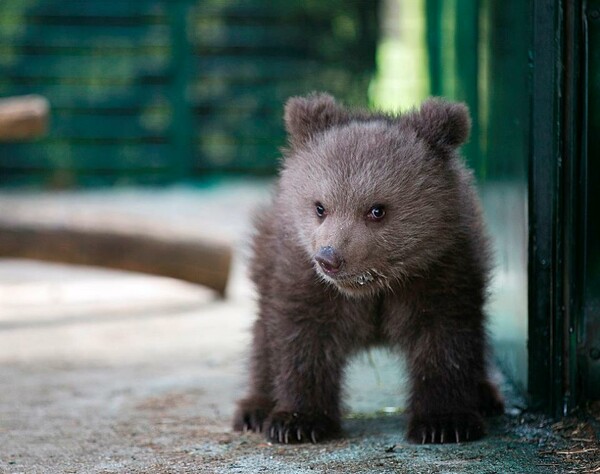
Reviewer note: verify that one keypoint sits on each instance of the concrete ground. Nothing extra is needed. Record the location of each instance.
(113, 372)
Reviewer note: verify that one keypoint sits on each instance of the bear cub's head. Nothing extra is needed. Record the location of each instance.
(373, 198)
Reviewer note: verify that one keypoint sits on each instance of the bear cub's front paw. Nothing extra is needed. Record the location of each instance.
(293, 427)
(446, 428)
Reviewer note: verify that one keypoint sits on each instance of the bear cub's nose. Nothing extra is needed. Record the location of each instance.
(329, 260)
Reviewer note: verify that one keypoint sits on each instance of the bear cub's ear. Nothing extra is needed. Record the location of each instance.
(441, 123)
(306, 116)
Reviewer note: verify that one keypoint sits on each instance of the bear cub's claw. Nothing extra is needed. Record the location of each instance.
(291, 427)
(446, 428)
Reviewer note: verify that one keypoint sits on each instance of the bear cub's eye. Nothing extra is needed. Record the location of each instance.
(320, 209)
(376, 213)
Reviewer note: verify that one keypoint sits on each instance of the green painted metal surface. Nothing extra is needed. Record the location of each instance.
(157, 90)
(545, 336)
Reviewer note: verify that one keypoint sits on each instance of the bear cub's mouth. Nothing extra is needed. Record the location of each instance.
(364, 278)
(357, 280)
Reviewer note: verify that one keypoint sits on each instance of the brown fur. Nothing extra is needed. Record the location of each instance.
(413, 280)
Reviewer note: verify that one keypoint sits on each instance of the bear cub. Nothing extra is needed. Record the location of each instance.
(374, 236)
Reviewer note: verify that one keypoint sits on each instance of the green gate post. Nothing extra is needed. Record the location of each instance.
(556, 218)
(545, 336)
(590, 178)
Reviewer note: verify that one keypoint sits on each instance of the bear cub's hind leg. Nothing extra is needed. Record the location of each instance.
(295, 427)
(252, 413)
(255, 408)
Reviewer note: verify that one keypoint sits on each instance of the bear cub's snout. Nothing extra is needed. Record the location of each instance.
(329, 260)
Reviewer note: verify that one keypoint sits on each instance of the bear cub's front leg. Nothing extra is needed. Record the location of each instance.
(307, 387)
(450, 393)
(295, 382)
(296, 417)
(432, 422)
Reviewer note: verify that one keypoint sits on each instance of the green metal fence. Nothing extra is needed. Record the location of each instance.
(157, 90)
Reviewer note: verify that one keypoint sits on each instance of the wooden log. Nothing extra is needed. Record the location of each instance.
(198, 261)
(23, 118)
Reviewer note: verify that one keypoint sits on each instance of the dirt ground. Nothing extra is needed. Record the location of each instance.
(112, 372)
